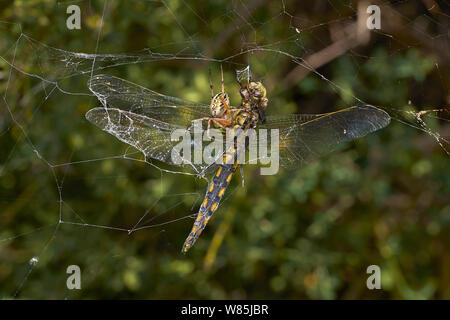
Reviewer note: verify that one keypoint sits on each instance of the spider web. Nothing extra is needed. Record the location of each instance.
(44, 88)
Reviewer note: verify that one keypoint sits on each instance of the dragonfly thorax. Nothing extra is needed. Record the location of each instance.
(245, 119)
(217, 107)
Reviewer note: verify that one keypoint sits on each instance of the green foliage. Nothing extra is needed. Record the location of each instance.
(309, 233)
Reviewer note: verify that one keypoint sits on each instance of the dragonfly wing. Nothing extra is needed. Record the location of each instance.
(117, 93)
(303, 138)
(150, 136)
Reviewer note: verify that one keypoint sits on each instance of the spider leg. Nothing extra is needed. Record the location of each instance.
(202, 119)
(227, 108)
(210, 84)
(223, 84)
(222, 122)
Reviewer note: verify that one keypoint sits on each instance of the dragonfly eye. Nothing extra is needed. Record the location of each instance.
(254, 91)
(257, 90)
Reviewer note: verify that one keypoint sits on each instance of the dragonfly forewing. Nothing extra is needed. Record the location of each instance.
(150, 136)
(121, 94)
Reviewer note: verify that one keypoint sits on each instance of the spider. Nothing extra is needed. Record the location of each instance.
(221, 112)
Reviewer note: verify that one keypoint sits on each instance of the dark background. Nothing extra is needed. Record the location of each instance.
(68, 195)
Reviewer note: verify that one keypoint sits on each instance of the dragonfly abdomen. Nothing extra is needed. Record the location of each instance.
(219, 183)
(214, 194)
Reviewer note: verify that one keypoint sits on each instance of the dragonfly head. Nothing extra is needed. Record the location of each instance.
(218, 102)
(258, 94)
(254, 97)
(257, 90)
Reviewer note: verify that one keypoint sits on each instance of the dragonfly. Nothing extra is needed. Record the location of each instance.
(146, 119)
